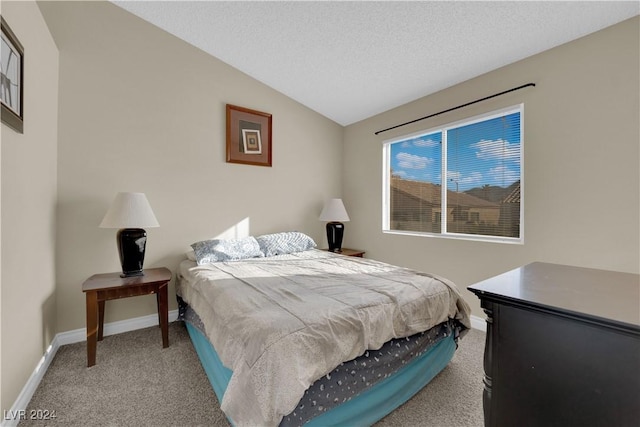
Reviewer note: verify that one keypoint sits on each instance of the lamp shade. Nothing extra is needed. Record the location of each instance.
(334, 211)
(129, 210)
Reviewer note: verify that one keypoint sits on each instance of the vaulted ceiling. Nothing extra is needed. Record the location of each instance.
(352, 60)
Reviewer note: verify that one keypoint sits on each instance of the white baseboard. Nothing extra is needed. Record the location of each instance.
(16, 413)
(478, 323)
(13, 416)
(114, 328)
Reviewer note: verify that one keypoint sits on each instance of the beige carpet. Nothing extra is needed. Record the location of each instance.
(138, 383)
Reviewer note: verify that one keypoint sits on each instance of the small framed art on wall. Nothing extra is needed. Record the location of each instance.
(248, 136)
(11, 76)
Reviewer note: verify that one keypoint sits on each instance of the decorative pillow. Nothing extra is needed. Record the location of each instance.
(208, 251)
(285, 243)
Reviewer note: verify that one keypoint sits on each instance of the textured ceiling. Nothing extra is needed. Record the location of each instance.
(352, 60)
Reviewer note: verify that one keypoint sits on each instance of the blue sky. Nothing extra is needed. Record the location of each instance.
(486, 152)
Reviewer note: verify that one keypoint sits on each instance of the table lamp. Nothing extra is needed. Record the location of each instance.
(334, 212)
(130, 212)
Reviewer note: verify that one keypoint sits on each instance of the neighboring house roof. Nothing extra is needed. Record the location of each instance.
(514, 195)
(431, 193)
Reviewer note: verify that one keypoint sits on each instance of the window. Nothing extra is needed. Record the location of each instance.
(471, 170)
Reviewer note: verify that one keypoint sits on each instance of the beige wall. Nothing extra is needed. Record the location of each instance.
(28, 207)
(141, 110)
(1, 401)
(581, 164)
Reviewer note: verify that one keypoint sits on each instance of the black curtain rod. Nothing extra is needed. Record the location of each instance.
(455, 108)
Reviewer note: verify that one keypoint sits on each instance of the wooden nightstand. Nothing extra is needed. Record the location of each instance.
(103, 287)
(350, 252)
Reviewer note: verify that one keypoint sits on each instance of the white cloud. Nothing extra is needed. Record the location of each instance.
(411, 161)
(497, 149)
(504, 175)
(426, 143)
(471, 179)
(419, 142)
(453, 176)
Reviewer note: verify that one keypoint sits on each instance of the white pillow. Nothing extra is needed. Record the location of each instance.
(285, 243)
(215, 250)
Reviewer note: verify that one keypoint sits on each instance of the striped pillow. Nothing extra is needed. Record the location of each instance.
(285, 243)
(215, 250)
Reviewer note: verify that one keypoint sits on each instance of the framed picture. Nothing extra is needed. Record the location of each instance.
(248, 136)
(251, 141)
(11, 78)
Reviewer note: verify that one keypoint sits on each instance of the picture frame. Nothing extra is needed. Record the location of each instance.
(248, 136)
(11, 79)
(251, 141)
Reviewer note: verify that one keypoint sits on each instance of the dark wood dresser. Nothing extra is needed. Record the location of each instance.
(562, 348)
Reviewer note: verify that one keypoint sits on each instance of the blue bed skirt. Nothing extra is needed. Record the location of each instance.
(370, 405)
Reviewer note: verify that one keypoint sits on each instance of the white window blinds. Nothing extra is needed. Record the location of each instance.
(461, 180)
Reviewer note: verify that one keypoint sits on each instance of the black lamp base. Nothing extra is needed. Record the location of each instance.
(131, 247)
(132, 274)
(335, 232)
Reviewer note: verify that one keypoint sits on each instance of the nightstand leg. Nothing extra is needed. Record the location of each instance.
(100, 319)
(92, 327)
(163, 313)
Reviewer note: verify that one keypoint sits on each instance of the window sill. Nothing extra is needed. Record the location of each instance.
(468, 237)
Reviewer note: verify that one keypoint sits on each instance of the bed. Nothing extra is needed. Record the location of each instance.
(291, 335)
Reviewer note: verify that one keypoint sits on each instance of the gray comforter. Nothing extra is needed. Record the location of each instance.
(279, 323)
